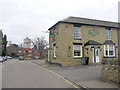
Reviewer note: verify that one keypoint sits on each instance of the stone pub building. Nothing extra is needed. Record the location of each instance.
(74, 38)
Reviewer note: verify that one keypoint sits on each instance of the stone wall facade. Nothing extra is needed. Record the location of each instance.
(64, 39)
(119, 44)
(110, 70)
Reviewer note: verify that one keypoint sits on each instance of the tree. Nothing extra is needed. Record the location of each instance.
(40, 43)
(1, 37)
(12, 49)
(4, 45)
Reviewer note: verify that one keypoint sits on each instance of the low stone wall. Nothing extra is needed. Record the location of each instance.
(110, 70)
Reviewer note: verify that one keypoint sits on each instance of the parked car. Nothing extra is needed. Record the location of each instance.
(36, 57)
(1, 59)
(4, 58)
(8, 57)
(21, 58)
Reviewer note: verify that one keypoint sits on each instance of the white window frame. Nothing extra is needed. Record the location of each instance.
(20, 51)
(108, 49)
(80, 51)
(54, 52)
(108, 35)
(30, 51)
(77, 33)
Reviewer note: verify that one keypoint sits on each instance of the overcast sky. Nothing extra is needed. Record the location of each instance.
(28, 18)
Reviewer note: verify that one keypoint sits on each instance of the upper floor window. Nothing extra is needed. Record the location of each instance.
(108, 34)
(77, 34)
(30, 51)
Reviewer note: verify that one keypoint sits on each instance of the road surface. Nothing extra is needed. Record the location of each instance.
(24, 74)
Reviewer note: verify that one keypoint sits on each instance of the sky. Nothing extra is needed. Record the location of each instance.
(32, 18)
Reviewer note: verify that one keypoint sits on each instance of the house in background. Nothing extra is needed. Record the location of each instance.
(27, 51)
(74, 38)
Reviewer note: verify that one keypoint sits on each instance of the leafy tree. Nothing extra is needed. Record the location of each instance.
(1, 37)
(4, 45)
(12, 49)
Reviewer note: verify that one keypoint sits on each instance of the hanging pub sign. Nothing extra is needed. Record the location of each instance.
(52, 37)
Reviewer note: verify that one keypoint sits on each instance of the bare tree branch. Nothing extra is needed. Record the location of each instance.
(40, 43)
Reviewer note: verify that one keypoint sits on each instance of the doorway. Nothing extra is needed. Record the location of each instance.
(96, 55)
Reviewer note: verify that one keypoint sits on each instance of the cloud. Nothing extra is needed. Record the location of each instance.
(21, 18)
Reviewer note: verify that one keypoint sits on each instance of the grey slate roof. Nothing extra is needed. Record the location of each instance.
(91, 42)
(108, 42)
(86, 21)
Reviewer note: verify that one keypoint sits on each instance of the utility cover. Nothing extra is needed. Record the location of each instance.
(69, 53)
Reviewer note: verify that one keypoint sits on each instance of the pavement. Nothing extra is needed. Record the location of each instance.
(87, 76)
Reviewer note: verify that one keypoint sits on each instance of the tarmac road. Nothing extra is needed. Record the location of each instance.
(24, 74)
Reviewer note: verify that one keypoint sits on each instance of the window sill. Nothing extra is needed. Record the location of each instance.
(54, 57)
(77, 57)
(109, 57)
(77, 39)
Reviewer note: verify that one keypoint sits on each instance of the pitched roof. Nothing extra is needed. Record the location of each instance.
(91, 42)
(108, 42)
(86, 21)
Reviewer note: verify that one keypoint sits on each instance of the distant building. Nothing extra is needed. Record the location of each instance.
(27, 43)
(27, 51)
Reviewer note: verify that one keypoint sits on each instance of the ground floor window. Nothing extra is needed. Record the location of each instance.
(109, 50)
(54, 51)
(77, 50)
(86, 51)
